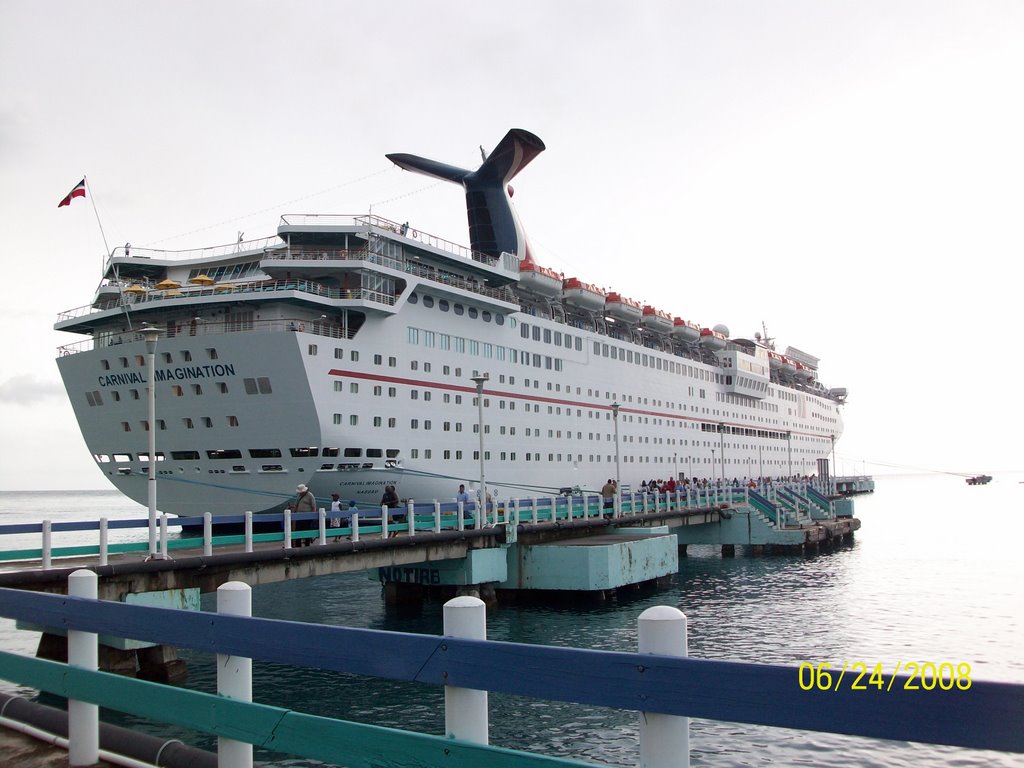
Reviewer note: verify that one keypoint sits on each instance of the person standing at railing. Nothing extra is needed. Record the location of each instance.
(391, 501)
(305, 502)
(608, 495)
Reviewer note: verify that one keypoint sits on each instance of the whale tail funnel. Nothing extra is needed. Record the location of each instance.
(493, 226)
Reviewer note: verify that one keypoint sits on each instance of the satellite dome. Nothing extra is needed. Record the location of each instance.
(722, 329)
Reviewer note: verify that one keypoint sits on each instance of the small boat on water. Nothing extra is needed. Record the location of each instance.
(979, 480)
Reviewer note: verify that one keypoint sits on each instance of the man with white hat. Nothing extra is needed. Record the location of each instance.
(306, 502)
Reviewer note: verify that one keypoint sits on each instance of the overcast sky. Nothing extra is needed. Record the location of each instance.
(849, 173)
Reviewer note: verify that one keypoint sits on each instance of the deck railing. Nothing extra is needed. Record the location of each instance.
(955, 709)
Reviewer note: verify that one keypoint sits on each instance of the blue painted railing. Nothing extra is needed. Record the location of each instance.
(978, 715)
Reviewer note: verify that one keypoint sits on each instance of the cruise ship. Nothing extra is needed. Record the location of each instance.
(346, 352)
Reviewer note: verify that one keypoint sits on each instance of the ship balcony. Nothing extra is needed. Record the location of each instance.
(147, 299)
(324, 328)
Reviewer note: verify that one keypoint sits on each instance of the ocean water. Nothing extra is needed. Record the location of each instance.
(933, 575)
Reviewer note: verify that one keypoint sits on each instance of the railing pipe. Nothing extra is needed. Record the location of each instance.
(207, 534)
(47, 544)
(163, 536)
(234, 674)
(465, 709)
(664, 739)
(83, 652)
(104, 541)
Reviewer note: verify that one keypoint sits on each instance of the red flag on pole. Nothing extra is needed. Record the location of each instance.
(78, 191)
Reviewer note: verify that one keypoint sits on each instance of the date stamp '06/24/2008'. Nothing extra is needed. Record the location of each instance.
(860, 676)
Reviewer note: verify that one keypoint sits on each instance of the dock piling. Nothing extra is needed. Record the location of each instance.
(234, 673)
(664, 739)
(465, 709)
(83, 651)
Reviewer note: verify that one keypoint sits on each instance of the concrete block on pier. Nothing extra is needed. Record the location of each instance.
(592, 564)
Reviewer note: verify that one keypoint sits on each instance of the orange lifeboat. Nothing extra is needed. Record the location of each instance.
(539, 280)
(621, 308)
(712, 339)
(684, 330)
(656, 319)
(579, 294)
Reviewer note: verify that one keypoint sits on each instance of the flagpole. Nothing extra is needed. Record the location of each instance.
(92, 199)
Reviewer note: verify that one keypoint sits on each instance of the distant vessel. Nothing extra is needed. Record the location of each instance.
(979, 480)
(339, 354)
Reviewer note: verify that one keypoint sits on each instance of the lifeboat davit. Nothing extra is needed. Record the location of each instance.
(580, 294)
(684, 330)
(656, 319)
(539, 280)
(620, 307)
(712, 339)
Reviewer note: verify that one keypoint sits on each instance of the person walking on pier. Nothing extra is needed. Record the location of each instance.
(391, 501)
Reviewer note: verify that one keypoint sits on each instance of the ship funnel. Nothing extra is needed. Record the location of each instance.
(494, 227)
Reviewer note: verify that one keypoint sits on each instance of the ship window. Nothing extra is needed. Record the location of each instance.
(124, 362)
(105, 364)
(374, 453)
(413, 298)
(185, 455)
(326, 466)
(176, 390)
(378, 359)
(353, 453)
(377, 421)
(197, 389)
(250, 386)
(224, 453)
(272, 468)
(353, 420)
(122, 457)
(222, 387)
(264, 385)
(126, 427)
(473, 312)
(428, 301)
(95, 398)
(459, 309)
(207, 422)
(499, 319)
(211, 353)
(186, 356)
(485, 316)
(187, 423)
(232, 421)
(354, 356)
(135, 393)
(524, 330)
(392, 422)
(329, 452)
(140, 360)
(392, 362)
(264, 453)
(337, 418)
(101, 458)
(353, 387)
(443, 305)
(238, 468)
(303, 452)
(167, 358)
(311, 350)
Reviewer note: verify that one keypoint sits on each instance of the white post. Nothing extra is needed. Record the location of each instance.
(163, 536)
(437, 516)
(234, 674)
(383, 521)
(664, 739)
(323, 526)
(568, 506)
(287, 529)
(462, 522)
(248, 531)
(533, 510)
(47, 545)
(355, 527)
(465, 709)
(207, 534)
(83, 652)
(410, 518)
(104, 544)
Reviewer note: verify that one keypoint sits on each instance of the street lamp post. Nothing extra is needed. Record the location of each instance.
(479, 380)
(618, 471)
(721, 436)
(151, 335)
